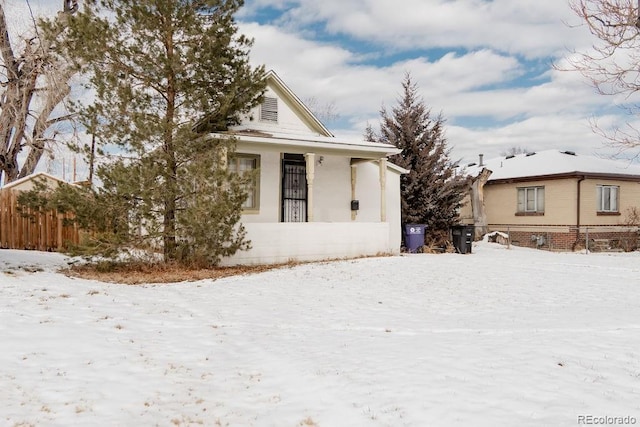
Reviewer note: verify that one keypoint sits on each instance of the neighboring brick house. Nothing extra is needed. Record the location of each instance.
(555, 199)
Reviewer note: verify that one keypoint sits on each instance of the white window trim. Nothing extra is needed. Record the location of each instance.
(600, 196)
(522, 207)
(234, 166)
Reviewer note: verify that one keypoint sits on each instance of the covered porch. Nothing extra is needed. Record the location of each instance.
(276, 243)
(318, 199)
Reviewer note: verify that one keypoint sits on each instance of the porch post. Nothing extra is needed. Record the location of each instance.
(224, 158)
(383, 189)
(311, 162)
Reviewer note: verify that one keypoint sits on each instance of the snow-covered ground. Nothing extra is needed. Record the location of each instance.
(501, 337)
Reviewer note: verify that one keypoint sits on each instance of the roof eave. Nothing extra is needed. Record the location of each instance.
(373, 151)
(566, 175)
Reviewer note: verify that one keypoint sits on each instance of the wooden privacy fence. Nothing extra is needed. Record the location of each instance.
(24, 228)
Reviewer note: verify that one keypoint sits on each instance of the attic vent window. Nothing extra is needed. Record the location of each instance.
(269, 110)
(571, 153)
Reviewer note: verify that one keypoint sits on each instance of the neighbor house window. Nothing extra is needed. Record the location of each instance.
(242, 163)
(531, 200)
(269, 109)
(607, 197)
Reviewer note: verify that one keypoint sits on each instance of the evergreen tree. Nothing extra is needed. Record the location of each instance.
(431, 192)
(369, 134)
(164, 72)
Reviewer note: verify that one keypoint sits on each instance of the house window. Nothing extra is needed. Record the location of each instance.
(269, 110)
(243, 163)
(530, 200)
(607, 198)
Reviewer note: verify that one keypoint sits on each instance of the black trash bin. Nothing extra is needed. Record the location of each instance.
(462, 237)
(414, 236)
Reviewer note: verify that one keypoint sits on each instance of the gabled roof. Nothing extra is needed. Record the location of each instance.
(312, 136)
(554, 164)
(276, 83)
(34, 176)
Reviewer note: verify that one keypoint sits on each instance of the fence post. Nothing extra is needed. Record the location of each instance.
(33, 228)
(59, 232)
(586, 239)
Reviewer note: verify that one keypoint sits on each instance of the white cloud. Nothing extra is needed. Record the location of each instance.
(535, 133)
(476, 80)
(526, 27)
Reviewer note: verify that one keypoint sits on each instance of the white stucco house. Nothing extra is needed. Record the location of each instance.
(316, 197)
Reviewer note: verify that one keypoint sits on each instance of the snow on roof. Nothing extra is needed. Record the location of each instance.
(273, 138)
(552, 162)
(327, 139)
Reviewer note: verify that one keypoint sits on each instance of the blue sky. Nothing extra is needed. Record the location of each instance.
(486, 65)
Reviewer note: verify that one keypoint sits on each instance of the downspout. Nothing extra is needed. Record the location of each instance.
(578, 209)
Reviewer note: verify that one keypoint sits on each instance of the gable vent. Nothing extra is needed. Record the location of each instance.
(269, 110)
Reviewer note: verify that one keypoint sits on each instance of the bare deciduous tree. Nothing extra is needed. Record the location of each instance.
(612, 64)
(325, 112)
(513, 150)
(33, 82)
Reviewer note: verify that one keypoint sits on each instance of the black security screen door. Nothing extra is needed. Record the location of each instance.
(294, 188)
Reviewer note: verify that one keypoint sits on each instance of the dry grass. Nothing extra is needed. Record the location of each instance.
(438, 243)
(142, 273)
(308, 422)
(137, 273)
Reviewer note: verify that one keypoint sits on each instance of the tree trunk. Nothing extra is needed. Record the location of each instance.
(21, 89)
(171, 175)
(169, 223)
(477, 203)
(37, 141)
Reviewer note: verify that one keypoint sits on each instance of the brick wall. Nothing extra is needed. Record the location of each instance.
(569, 240)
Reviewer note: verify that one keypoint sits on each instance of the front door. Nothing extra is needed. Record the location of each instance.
(294, 188)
